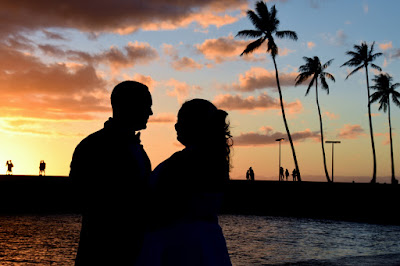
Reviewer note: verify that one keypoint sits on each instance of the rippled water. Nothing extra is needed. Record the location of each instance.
(251, 240)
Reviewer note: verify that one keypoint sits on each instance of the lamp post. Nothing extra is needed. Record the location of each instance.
(279, 171)
(333, 142)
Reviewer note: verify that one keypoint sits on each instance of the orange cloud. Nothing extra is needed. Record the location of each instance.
(259, 78)
(146, 80)
(386, 140)
(331, 116)
(180, 90)
(268, 137)
(226, 49)
(351, 131)
(386, 46)
(186, 64)
(310, 45)
(262, 102)
(163, 118)
(32, 88)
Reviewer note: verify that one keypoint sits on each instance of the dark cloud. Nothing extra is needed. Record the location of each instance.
(351, 132)
(113, 16)
(268, 137)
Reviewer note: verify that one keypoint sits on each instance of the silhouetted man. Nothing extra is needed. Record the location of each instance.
(281, 176)
(42, 168)
(112, 199)
(251, 174)
(9, 165)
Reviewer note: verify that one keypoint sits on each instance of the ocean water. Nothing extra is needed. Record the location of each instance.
(251, 240)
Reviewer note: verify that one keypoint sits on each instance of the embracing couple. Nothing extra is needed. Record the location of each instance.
(134, 216)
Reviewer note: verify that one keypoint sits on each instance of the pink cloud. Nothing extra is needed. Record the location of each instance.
(386, 46)
(180, 89)
(186, 64)
(259, 78)
(310, 45)
(331, 116)
(351, 131)
(261, 102)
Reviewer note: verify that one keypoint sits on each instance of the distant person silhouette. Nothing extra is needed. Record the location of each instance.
(187, 192)
(9, 165)
(112, 199)
(287, 174)
(294, 174)
(281, 176)
(42, 168)
(251, 174)
(247, 175)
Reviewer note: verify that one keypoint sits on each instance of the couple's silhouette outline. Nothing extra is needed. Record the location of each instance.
(131, 216)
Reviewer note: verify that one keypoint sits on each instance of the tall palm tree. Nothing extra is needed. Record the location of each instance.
(315, 70)
(385, 89)
(362, 56)
(266, 25)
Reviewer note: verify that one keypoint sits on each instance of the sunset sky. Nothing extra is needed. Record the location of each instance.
(59, 61)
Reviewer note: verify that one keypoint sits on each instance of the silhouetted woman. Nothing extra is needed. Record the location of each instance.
(187, 192)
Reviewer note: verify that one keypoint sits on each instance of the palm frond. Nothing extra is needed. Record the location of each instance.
(327, 64)
(255, 20)
(376, 67)
(262, 11)
(395, 99)
(324, 84)
(253, 46)
(310, 85)
(329, 76)
(302, 77)
(354, 71)
(286, 34)
(249, 33)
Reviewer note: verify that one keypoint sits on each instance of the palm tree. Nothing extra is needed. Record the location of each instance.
(266, 25)
(315, 70)
(362, 56)
(385, 89)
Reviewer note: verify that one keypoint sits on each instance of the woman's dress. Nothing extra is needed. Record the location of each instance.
(187, 192)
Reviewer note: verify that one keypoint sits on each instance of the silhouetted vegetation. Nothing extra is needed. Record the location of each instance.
(315, 70)
(266, 24)
(361, 57)
(385, 88)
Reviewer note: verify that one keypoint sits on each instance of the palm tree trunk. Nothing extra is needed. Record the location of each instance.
(391, 144)
(322, 132)
(370, 129)
(285, 122)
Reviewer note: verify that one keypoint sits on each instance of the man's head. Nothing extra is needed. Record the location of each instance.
(131, 103)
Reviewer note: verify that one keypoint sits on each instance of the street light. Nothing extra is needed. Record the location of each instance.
(333, 142)
(279, 172)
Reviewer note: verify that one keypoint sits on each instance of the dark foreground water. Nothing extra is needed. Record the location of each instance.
(252, 240)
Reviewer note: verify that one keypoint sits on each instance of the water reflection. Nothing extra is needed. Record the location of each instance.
(252, 240)
(257, 240)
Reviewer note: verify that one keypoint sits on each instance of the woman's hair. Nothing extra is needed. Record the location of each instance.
(204, 124)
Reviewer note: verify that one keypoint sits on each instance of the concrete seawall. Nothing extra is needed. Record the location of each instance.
(363, 202)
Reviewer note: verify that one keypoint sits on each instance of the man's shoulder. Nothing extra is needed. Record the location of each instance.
(92, 139)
